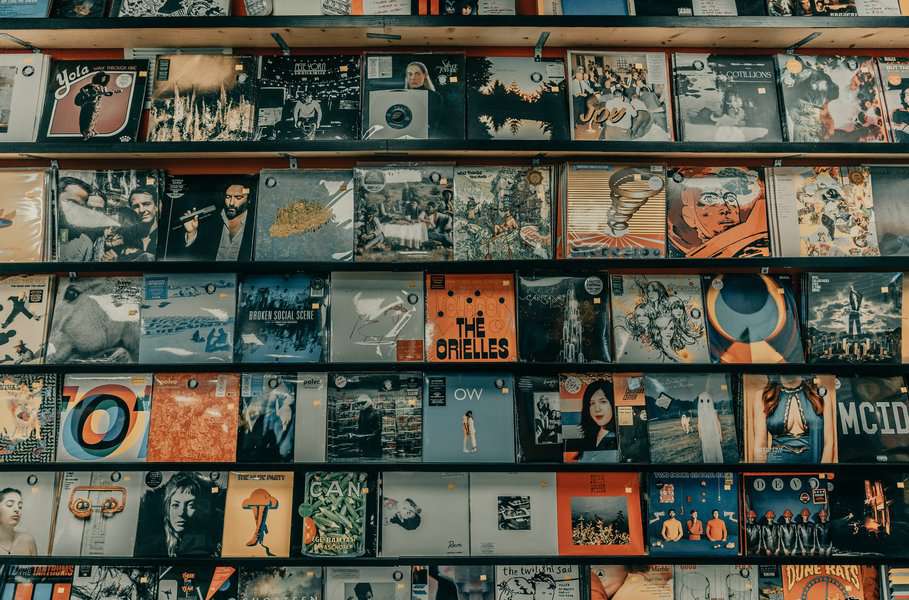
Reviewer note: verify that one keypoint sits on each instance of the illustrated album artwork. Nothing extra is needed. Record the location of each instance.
(327, 532)
(171, 8)
(28, 418)
(258, 512)
(25, 311)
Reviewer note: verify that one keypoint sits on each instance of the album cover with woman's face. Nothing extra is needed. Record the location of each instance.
(425, 514)
(588, 418)
(26, 512)
(599, 514)
(258, 514)
(512, 514)
(281, 583)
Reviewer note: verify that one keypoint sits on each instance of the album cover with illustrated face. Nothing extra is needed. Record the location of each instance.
(36, 582)
(281, 583)
(546, 582)
(873, 419)
(588, 418)
(102, 582)
(512, 514)
(28, 418)
(436, 582)
(539, 419)
(312, 408)
(267, 414)
(258, 514)
(723, 582)
(26, 512)
(192, 583)
(599, 514)
(171, 8)
(425, 514)
(23, 82)
(25, 302)
(24, 215)
(645, 582)
(327, 532)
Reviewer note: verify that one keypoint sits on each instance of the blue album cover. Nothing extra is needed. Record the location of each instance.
(594, 7)
(267, 423)
(188, 318)
(693, 514)
(24, 8)
(468, 418)
(282, 318)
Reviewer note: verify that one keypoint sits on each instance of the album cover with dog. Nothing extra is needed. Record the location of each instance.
(268, 413)
(192, 583)
(170, 8)
(599, 514)
(873, 419)
(25, 215)
(258, 514)
(894, 73)
(365, 583)
(328, 532)
(539, 420)
(512, 514)
(25, 302)
(559, 582)
(23, 83)
(281, 583)
(35, 582)
(29, 499)
(28, 418)
(95, 582)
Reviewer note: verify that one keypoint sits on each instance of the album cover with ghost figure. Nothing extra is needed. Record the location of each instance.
(258, 514)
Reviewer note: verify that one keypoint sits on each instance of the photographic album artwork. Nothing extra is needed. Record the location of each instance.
(619, 96)
(188, 318)
(311, 416)
(614, 211)
(24, 214)
(404, 212)
(831, 98)
(95, 320)
(195, 417)
(726, 582)
(599, 514)
(97, 514)
(691, 418)
(717, 212)
(413, 96)
(305, 215)
(799, 581)
(94, 101)
(587, 418)
(872, 419)
(107, 216)
(752, 318)
(548, 582)
(35, 582)
(330, 529)
(894, 73)
(281, 583)
(69, 9)
(871, 514)
(854, 317)
(99, 582)
(503, 213)
(539, 419)
(25, 302)
(192, 583)
(693, 514)
(511, 514)
(724, 98)
(171, 8)
(367, 583)
(891, 227)
(181, 514)
(631, 414)
(658, 319)
(23, 82)
(843, 8)
(202, 98)
(281, 318)
(28, 418)
(105, 418)
(377, 317)
(258, 512)
(436, 582)
(647, 582)
(28, 501)
(267, 418)
(308, 98)
(516, 98)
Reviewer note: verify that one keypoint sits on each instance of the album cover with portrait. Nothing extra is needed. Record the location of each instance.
(37, 582)
(187, 88)
(891, 215)
(194, 417)
(192, 583)
(559, 582)
(281, 583)
(258, 514)
(311, 417)
(631, 415)
(97, 513)
(873, 423)
(94, 101)
(76, 9)
(28, 417)
(470, 318)
(599, 514)
(326, 531)
(644, 582)
(367, 583)
(425, 514)
(105, 417)
(723, 582)
(95, 320)
(305, 215)
(181, 514)
(172, 8)
(468, 417)
(304, 98)
(188, 318)
(516, 98)
(27, 508)
(25, 303)
(25, 215)
(894, 74)
(267, 417)
(588, 418)
(433, 582)
(503, 213)
(871, 514)
(794, 582)
(614, 211)
(658, 318)
(539, 420)
(512, 514)
(23, 81)
(413, 96)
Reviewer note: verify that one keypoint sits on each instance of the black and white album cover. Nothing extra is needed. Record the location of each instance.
(170, 8)
(726, 98)
(873, 419)
(308, 98)
(425, 514)
(23, 82)
(512, 514)
(454, 582)
(539, 419)
(95, 582)
(413, 96)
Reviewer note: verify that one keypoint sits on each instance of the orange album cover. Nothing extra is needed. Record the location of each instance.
(829, 581)
(470, 318)
(194, 417)
(258, 514)
(599, 514)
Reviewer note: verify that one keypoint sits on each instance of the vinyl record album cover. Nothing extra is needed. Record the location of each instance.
(789, 419)
(752, 318)
(717, 212)
(194, 417)
(413, 96)
(722, 582)
(436, 582)
(23, 82)
(181, 514)
(470, 318)
(188, 318)
(558, 582)
(38, 582)
(425, 514)
(795, 582)
(305, 215)
(341, 7)
(842, 8)
(599, 514)
(27, 501)
(210, 217)
(267, 414)
(97, 514)
(404, 212)
(308, 98)
(194, 583)
(202, 97)
(312, 408)
(327, 532)
(69, 9)
(698, 8)
(587, 415)
(692, 514)
(831, 98)
(854, 317)
(363, 583)
(503, 213)
(25, 9)
(726, 98)
(95, 582)
(645, 582)
(871, 514)
(468, 417)
(377, 317)
(105, 417)
(375, 416)
(28, 418)
(788, 514)
(95, 320)
(658, 318)
(894, 73)
(25, 302)
(107, 216)
(282, 318)
(258, 514)
(476, 7)
(539, 419)
(516, 98)
(691, 418)
(171, 8)
(24, 215)
(891, 215)
(895, 582)
(564, 318)
(873, 419)
(619, 96)
(614, 211)
(281, 583)
(631, 415)
(512, 514)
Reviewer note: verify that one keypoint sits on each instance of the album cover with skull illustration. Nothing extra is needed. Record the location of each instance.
(193, 583)
(95, 582)
(512, 514)
(25, 302)
(170, 8)
(28, 506)
(258, 514)
(28, 418)
(549, 582)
